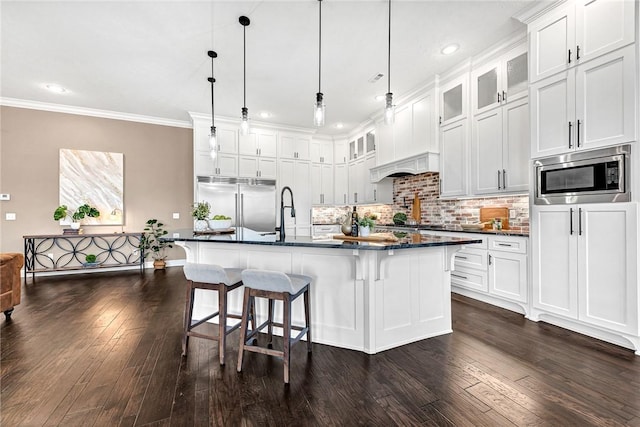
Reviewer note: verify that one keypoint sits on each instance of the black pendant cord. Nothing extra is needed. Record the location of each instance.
(212, 54)
(319, 46)
(244, 61)
(389, 54)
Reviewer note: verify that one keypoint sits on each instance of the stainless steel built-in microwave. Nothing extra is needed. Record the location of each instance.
(597, 176)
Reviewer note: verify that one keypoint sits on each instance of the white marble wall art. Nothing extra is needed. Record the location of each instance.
(96, 178)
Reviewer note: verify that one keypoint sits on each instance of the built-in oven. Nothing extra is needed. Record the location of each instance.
(597, 176)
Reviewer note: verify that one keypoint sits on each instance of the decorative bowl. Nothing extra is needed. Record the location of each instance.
(217, 224)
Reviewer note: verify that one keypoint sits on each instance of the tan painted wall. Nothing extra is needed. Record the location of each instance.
(158, 171)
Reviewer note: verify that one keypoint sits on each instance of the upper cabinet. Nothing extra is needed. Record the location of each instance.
(259, 142)
(225, 160)
(340, 151)
(294, 146)
(362, 145)
(454, 96)
(589, 106)
(578, 32)
(322, 151)
(504, 80)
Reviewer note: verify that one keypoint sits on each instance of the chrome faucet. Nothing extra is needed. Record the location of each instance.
(282, 206)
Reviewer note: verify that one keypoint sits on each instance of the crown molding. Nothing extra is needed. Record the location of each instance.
(537, 9)
(253, 123)
(82, 111)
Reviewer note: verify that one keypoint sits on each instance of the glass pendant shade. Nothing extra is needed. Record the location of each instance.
(389, 110)
(318, 111)
(213, 143)
(244, 124)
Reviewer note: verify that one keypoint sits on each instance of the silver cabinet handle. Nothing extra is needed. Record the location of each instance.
(570, 221)
(375, 194)
(499, 179)
(504, 179)
(504, 96)
(577, 52)
(489, 259)
(505, 244)
(461, 257)
(498, 97)
(579, 221)
(460, 276)
(578, 133)
(570, 125)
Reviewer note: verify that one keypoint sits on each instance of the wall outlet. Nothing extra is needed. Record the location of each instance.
(10, 216)
(5, 196)
(176, 215)
(512, 213)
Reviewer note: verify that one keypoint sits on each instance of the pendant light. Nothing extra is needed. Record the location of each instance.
(213, 144)
(244, 124)
(318, 111)
(389, 109)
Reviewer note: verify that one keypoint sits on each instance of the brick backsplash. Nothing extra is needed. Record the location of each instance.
(452, 212)
(434, 210)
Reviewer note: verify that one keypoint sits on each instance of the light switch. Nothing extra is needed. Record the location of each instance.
(5, 196)
(10, 216)
(176, 215)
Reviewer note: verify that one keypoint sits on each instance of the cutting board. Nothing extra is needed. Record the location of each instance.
(373, 237)
(487, 214)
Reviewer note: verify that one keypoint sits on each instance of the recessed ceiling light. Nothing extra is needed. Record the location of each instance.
(339, 125)
(55, 88)
(265, 114)
(380, 98)
(448, 50)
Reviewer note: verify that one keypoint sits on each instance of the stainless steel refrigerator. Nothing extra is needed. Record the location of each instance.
(251, 203)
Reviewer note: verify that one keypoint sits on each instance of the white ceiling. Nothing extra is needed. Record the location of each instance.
(150, 57)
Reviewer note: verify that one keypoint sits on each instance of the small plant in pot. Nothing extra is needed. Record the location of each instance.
(76, 216)
(90, 260)
(201, 211)
(366, 224)
(150, 243)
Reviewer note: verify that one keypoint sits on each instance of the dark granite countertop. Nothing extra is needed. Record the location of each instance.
(410, 240)
(453, 228)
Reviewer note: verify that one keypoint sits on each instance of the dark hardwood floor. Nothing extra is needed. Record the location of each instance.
(104, 350)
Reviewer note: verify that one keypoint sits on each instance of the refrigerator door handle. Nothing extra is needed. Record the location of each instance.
(242, 209)
(237, 217)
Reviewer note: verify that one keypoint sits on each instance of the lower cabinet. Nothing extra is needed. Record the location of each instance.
(494, 271)
(586, 264)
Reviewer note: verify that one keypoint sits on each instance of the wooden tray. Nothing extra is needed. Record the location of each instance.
(213, 232)
(487, 214)
(374, 237)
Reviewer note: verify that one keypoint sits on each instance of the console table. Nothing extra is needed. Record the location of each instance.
(60, 252)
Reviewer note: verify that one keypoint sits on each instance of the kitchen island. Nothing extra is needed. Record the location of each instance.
(365, 296)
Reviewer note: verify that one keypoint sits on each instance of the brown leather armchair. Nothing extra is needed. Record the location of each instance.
(10, 283)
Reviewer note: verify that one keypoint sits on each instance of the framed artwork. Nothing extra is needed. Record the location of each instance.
(95, 178)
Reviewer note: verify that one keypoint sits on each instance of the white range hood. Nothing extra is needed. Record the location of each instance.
(420, 163)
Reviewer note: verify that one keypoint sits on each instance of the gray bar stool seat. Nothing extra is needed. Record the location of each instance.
(274, 285)
(214, 278)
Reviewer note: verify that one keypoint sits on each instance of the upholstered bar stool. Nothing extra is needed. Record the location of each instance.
(274, 285)
(214, 278)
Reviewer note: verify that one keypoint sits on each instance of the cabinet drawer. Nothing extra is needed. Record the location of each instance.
(326, 229)
(508, 244)
(471, 258)
(470, 278)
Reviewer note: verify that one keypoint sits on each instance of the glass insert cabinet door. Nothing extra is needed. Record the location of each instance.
(517, 75)
(452, 100)
(487, 92)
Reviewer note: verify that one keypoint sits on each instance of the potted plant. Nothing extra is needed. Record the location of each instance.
(150, 243)
(90, 260)
(366, 224)
(201, 211)
(76, 216)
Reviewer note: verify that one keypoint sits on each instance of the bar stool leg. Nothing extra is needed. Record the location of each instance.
(246, 304)
(307, 318)
(188, 312)
(222, 318)
(270, 325)
(286, 335)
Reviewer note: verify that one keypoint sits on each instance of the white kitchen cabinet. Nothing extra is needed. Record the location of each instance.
(259, 142)
(402, 130)
(380, 192)
(500, 149)
(294, 146)
(385, 149)
(296, 174)
(340, 151)
(508, 270)
(454, 96)
(225, 161)
(322, 151)
(453, 159)
(500, 82)
(222, 165)
(257, 167)
(577, 33)
(356, 182)
(589, 106)
(341, 184)
(585, 264)
(322, 184)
